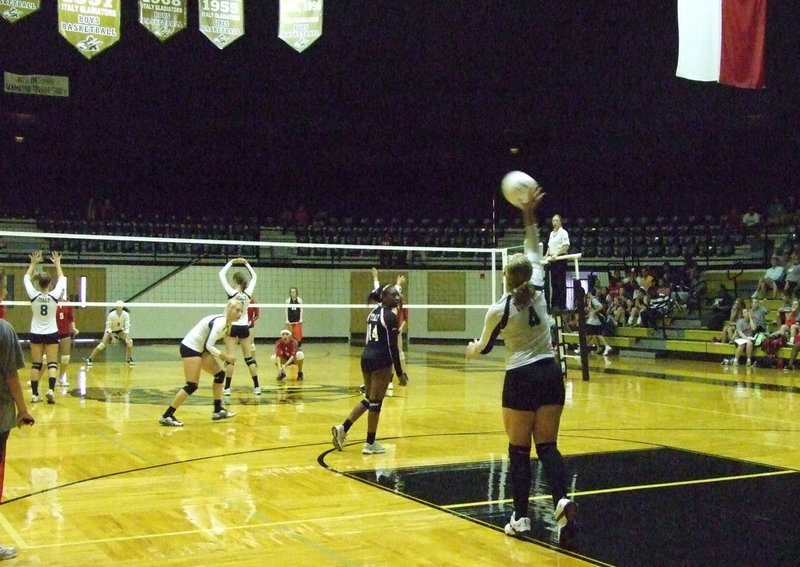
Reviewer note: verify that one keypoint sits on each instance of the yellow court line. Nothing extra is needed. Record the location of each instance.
(627, 488)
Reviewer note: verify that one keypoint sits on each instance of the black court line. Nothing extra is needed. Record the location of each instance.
(646, 507)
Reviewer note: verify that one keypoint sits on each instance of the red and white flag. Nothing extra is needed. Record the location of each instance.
(722, 40)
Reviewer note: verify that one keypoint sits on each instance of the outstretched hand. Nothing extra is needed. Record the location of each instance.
(472, 350)
(533, 199)
(35, 256)
(55, 257)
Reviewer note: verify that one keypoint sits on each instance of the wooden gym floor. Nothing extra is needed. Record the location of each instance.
(671, 462)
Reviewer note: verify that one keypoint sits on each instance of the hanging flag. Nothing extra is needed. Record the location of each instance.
(91, 27)
(222, 21)
(13, 10)
(722, 40)
(163, 19)
(300, 22)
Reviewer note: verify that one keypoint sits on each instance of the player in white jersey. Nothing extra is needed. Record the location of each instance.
(242, 289)
(199, 352)
(533, 390)
(118, 326)
(44, 330)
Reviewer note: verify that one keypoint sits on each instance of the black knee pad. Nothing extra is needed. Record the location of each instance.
(52, 365)
(219, 377)
(375, 406)
(190, 388)
(36, 365)
(519, 450)
(545, 450)
(365, 403)
(249, 361)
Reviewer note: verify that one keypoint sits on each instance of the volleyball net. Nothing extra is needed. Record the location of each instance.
(167, 284)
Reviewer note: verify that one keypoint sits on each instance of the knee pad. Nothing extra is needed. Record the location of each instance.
(375, 406)
(402, 356)
(365, 403)
(190, 388)
(274, 359)
(299, 355)
(52, 365)
(518, 451)
(230, 365)
(129, 342)
(65, 359)
(249, 361)
(36, 366)
(101, 346)
(219, 377)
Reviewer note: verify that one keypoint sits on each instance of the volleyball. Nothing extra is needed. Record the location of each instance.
(516, 185)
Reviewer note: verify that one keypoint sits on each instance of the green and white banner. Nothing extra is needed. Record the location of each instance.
(91, 26)
(13, 10)
(42, 85)
(222, 21)
(163, 18)
(300, 22)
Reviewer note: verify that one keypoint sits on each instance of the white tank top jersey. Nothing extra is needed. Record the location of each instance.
(205, 334)
(527, 332)
(116, 323)
(243, 296)
(43, 306)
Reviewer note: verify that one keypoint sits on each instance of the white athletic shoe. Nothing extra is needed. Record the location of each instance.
(222, 414)
(339, 435)
(63, 382)
(7, 553)
(170, 421)
(89, 362)
(51, 397)
(565, 512)
(373, 448)
(521, 527)
(607, 351)
(36, 399)
(226, 391)
(257, 391)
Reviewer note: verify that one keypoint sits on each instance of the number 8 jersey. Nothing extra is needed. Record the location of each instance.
(44, 306)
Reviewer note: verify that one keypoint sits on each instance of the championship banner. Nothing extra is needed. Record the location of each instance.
(89, 25)
(42, 85)
(13, 10)
(163, 18)
(222, 21)
(300, 22)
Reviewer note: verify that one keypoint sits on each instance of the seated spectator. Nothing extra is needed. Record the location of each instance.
(659, 307)
(773, 278)
(616, 310)
(720, 310)
(729, 330)
(790, 326)
(758, 317)
(775, 212)
(792, 276)
(640, 302)
(751, 219)
(743, 338)
(733, 220)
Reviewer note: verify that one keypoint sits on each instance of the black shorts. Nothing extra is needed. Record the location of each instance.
(594, 330)
(240, 331)
(187, 352)
(537, 384)
(372, 361)
(48, 339)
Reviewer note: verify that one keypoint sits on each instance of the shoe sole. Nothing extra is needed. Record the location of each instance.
(221, 417)
(336, 443)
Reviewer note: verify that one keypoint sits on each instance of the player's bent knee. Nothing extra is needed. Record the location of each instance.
(219, 377)
(375, 406)
(190, 388)
(250, 361)
(274, 359)
(52, 366)
(299, 355)
(365, 403)
(36, 366)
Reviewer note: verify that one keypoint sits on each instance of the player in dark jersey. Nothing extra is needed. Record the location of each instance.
(294, 315)
(379, 357)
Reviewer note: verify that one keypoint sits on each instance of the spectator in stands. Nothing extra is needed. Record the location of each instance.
(697, 288)
(775, 212)
(773, 278)
(616, 310)
(792, 276)
(729, 330)
(640, 302)
(733, 220)
(790, 326)
(758, 316)
(743, 338)
(751, 219)
(720, 310)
